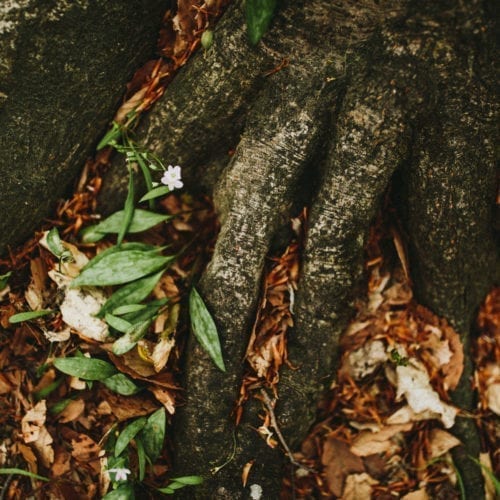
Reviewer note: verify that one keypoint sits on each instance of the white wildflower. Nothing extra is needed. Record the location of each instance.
(172, 178)
(120, 473)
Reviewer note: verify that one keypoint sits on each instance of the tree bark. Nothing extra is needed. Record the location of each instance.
(64, 66)
(374, 93)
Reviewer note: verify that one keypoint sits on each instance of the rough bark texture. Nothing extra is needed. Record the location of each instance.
(372, 88)
(64, 66)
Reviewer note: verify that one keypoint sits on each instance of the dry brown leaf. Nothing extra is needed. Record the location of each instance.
(420, 494)
(369, 443)
(33, 421)
(86, 451)
(165, 397)
(440, 442)
(34, 294)
(43, 446)
(5, 385)
(72, 411)
(62, 462)
(246, 471)
(28, 456)
(339, 461)
(358, 487)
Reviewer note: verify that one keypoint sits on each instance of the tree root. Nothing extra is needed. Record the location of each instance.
(387, 90)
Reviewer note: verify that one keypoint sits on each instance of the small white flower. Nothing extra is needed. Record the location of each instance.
(120, 473)
(172, 178)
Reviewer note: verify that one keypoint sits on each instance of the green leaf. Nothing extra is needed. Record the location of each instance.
(131, 337)
(59, 406)
(120, 267)
(204, 328)
(188, 480)
(153, 434)
(121, 384)
(119, 324)
(54, 242)
(129, 208)
(124, 492)
(85, 368)
(26, 316)
(111, 135)
(22, 472)
(128, 434)
(149, 312)
(145, 173)
(167, 490)
(155, 193)
(43, 393)
(258, 15)
(141, 459)
(4, 279)
(130, 308)
(133, 293)
(141, 221)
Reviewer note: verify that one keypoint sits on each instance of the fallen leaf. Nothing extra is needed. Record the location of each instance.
(369, 443)
(165, 397)
(62, 462)
(161, 353)
(366, 359)
(43, 446)
(493, 398)
(80, 306)
(339, 462)
(420, 494)
(358, 487)
(60, 336)
(413, 383)
(33, 421)
(440, 442)
(72, 411)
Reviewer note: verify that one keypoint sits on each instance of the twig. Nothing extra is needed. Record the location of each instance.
(270, 408)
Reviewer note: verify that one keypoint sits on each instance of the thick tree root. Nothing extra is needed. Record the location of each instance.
(387, 90)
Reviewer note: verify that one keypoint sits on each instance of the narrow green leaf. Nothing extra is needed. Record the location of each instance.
(85, 368)
(54, 242)
(204, 328)
(59, 406)
(129, 208)
(132, 293)
(22, 472)
(131, 337)
(145, 173)
(258, 15)
(142, 220)
(167, 490)
(120, 267)
(90, 234)
(26, 316)
(130, 308)
(119, 324)
(188, 480)
(153, 434)
(141, 458)
(155, 193)
(43, 393)
(121, 384)
(4, 279)
(149, 312)
(111, 135)
(128, 434)
(143, 247)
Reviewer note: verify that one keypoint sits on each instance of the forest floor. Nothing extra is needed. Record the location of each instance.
(382, 432)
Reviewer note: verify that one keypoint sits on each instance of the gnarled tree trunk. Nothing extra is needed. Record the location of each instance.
(63, 70)
(369, 92)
